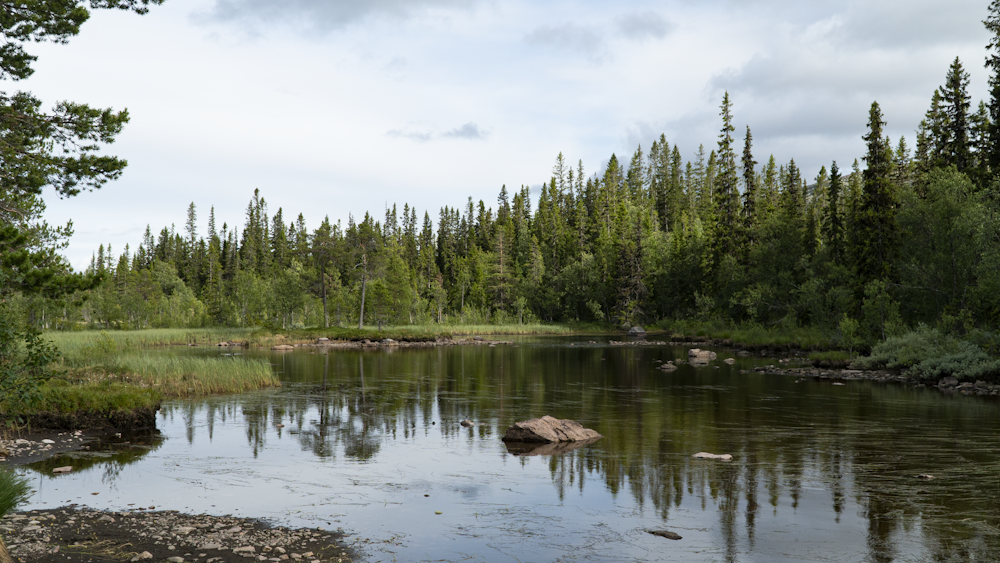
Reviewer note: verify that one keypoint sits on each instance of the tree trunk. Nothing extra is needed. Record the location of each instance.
(364, 283)
(322, 273)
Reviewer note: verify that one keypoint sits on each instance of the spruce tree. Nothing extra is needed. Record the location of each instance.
(726, 180)
(877, 232)
(749, 192)
(955, 99)
(992, 23)
(833, 227)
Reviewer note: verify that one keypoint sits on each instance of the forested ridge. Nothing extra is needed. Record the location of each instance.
(896, 238)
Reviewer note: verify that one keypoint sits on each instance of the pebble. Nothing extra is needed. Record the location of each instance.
(37, 534)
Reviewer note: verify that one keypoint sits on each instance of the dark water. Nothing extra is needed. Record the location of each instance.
(371, 443)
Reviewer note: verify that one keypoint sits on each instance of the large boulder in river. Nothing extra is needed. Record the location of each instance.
(549, 430)
(637, 331)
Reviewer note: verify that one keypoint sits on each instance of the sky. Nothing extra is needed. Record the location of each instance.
(337, 107)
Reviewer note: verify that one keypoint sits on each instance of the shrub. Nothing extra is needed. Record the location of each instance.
(927, 353)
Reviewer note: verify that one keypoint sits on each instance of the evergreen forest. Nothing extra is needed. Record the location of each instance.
(899, 237)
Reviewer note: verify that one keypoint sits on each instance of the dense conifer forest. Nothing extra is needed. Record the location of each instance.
(864, 249)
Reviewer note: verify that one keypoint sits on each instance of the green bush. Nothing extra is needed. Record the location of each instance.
(927, 353)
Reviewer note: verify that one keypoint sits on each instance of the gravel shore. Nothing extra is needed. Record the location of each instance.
(77, 535)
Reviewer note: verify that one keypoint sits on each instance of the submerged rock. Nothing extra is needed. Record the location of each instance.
(548, 429)
(665, 534)
(720, 457)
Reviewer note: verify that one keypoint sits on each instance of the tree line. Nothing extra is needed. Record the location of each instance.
(898, 238)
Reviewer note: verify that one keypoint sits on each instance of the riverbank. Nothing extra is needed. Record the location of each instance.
(82, 534)
(945, 385)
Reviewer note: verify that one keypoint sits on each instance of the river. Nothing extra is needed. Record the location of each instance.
(370, 442)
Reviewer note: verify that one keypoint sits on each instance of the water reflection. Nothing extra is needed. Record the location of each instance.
(820, 472)
(110, 454)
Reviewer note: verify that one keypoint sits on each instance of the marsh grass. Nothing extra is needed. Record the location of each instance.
(14, 490)
(180, 376)
(62, 396)
(83, 345)
(94, 360)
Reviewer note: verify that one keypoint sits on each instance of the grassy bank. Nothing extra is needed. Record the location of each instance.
(179, 376)
(125, 357)
(81, 344)
(413, 333)
(111, 374)
(754, 336)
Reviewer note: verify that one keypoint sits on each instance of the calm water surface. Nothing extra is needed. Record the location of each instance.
(370, 442)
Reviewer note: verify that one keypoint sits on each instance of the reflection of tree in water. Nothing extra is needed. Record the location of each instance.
(112, 454)
(787, 438)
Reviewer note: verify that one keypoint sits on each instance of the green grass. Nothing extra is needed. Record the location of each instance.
(831, 359)
(62, 396)
(413, 333)
(753, 335)
(179, 376)
(93, 343)
(122, 357)
(14, 491)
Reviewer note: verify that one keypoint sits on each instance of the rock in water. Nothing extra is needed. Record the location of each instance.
(538, 449)
(64, 469)
(467, 423)
(665, 534)
(548, 430)
(283, 347)
(706, 455)
(637, 331)
(697, 356)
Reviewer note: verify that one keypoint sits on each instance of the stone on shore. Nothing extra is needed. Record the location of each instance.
(548, 429)
(706, 455)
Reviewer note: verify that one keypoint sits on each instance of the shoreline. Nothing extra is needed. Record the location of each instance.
(949, 385)
(83, 534)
